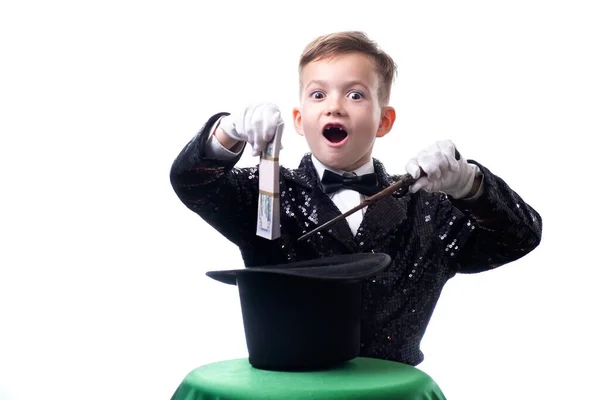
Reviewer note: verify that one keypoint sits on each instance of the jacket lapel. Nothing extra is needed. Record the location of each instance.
(385, 215)
(326, 210)
(380, 220)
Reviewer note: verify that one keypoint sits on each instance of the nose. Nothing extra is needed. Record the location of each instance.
(335, 106)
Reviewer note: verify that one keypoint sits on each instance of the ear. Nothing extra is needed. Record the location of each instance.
(388, 117)
(297, 116)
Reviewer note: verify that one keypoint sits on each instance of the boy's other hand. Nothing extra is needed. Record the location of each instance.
(444, 173)
(256, 124)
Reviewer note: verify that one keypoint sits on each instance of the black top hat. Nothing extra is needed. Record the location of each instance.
(303, 315)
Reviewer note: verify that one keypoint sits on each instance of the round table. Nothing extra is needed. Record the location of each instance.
(360, 378)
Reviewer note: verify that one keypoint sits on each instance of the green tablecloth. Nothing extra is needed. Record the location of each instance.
(361, 378)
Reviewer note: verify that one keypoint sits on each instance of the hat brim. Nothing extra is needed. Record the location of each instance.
(343, 268)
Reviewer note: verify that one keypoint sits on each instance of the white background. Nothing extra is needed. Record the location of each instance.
(102, 270)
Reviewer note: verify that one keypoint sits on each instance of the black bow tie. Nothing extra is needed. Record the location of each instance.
(365, 184)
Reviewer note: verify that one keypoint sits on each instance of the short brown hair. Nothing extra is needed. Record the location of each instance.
(334, 44)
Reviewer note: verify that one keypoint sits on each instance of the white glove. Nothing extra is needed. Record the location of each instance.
(444, 173)
(256, 125)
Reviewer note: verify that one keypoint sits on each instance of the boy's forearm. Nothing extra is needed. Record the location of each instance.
(205, 184)
(508, 227)
(190, 166)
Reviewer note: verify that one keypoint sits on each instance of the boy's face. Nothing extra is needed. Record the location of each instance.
(340, 114)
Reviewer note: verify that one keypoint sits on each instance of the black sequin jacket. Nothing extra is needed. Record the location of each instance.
(429, 236)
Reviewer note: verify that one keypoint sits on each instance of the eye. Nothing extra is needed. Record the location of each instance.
(354, 95)
(317, 95)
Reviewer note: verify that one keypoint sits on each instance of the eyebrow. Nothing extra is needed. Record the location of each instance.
(323, 83)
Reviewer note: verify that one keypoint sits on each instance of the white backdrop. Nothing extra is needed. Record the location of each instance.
(102, 270)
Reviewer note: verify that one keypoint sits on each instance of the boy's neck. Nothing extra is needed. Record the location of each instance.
(365, 168)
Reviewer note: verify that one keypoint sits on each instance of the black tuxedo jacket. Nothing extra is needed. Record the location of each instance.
(429, 236)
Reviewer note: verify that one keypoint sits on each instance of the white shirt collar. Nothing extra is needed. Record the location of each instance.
(366, 168)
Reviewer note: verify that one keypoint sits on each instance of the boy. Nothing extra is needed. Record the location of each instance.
(457, 217)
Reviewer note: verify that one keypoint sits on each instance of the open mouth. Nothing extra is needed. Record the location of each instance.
(335, 133)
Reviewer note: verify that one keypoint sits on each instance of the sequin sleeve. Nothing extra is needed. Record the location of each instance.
(215, 189)
(497, 228)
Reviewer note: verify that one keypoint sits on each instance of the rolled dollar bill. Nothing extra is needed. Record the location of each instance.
(268, 218)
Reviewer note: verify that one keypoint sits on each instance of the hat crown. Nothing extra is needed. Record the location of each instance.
(304, 315)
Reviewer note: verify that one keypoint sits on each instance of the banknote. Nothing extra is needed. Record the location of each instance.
(268, 216)
(272, 149)
(269, 151)
(265, 212)
(268, 213)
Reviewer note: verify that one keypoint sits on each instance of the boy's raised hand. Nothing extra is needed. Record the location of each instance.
(446, 170)
(256, 124)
